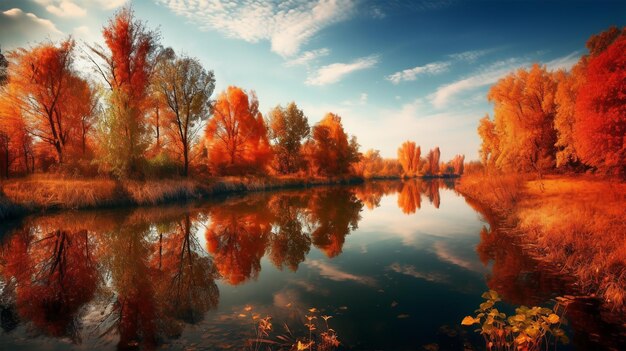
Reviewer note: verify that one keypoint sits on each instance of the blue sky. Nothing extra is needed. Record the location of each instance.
(393, 70)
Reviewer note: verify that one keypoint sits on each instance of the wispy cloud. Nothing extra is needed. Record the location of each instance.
(362, 100)
(412, 73)
(307, 57)
(483, 77)
(566, 62)
(335, 72)
(334, 273)
(286, 25)
(469, 56)
(413, 272)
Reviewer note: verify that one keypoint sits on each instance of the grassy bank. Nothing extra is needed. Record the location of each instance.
(33, 194)
(576, 224)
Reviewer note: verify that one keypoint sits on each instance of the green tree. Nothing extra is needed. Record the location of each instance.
(185, 87)
(288, 127)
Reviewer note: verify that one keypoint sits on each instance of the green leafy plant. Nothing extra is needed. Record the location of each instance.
(531, 328)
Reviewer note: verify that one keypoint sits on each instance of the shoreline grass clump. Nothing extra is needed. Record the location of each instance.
(317, 335)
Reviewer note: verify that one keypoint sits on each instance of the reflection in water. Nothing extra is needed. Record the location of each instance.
(52, 276)
(523, 280)
(136, 278)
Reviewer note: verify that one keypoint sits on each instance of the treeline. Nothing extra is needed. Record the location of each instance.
(563, 121)
(152, 114)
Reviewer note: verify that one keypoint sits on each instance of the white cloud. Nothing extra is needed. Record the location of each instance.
(18, 27)
(77, 8)
(469, 56)
(335, 72)
(566, 62)
(110, 4)
(286, 25)
(307, 57)
(63, 8)
(412, 73)
(483, 77)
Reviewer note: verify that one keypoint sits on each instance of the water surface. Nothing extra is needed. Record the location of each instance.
(396, 264)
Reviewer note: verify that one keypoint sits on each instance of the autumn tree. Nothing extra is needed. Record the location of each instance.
(16, 144)
(4, 65)
(332, 152)
(524, 108)
(288, 127)
(236, 137)
(600, 118)
(409, 157)
(370, 165)
(456, 165)
(54, 101)
(431, 166)
(489, 147)
(126, 66)
(185, 87)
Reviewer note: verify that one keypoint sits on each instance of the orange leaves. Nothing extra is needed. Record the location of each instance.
(236, 136)
(409, 157)
(51, 96)
(524, 114)
(544, 119)
(332, 153)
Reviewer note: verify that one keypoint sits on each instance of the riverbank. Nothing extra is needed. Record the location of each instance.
(574, 223)
(19, 197)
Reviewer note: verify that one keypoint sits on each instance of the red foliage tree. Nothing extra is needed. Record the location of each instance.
(600, 123)
(236, 136)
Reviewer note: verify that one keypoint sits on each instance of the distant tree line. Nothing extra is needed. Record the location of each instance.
(152, 114)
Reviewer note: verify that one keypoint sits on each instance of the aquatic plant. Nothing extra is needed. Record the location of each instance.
(529, 329)
(320, 336)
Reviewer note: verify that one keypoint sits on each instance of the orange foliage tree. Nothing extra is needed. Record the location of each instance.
(53, 99)
(236, 137)
(332, 153)
(409, 157)
(128, 64)
(524, 114)
(489, 148)
(16, 145)
(431, 167)
(370, 165)
(600, 118)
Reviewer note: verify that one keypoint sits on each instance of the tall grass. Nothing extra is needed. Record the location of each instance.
(577, 224)
(45, 192)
